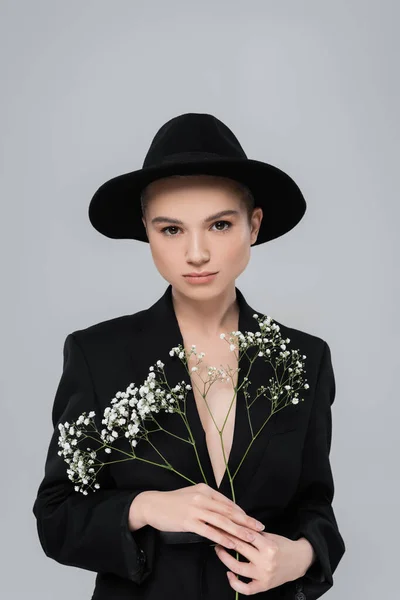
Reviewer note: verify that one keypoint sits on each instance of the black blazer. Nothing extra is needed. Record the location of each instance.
(285, 481)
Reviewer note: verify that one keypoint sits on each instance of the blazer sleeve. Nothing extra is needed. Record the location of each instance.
(87, 531)
(312, 513)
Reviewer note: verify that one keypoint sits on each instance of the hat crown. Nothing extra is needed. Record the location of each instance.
(193, 144)
(192, 137)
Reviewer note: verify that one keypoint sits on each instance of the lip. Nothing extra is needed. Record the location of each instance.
(200, 279)
(202, 274)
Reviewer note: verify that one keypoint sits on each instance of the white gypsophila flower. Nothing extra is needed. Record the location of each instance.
(79, 462)
(124, 418)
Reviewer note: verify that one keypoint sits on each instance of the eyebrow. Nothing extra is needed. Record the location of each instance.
(217, 215)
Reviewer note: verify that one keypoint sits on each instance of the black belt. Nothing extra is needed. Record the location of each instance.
(183, 537)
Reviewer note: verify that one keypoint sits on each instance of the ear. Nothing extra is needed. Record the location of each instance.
(256, 219)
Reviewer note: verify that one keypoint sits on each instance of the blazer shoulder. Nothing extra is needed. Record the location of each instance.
(109, 331)
(314, 347)
(302, 339)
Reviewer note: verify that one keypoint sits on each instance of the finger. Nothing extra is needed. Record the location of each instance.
(224, 500)
(234, 513)
(213, 534)
(248, 550)
(247, 520)
(245, 569)
(228, 524)
(247, 589)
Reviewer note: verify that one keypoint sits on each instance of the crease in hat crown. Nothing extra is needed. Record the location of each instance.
(191, 137)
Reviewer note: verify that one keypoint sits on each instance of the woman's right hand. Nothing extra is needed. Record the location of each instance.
(199, 509)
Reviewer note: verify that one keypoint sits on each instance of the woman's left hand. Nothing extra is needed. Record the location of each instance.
(273, 560)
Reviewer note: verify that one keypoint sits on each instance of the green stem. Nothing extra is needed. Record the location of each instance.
(186, 422)
(275, 403)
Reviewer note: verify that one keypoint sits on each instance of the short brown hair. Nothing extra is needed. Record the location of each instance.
(246, 196)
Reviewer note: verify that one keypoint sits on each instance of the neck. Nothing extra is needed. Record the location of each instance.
(209, 317)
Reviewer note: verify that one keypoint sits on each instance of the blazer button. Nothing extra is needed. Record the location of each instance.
(141, 557)
(300, 596)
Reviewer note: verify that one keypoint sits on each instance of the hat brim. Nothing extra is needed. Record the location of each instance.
(115, 209)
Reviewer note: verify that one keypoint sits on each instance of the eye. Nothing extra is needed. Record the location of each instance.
(226, 223)
(165, 229)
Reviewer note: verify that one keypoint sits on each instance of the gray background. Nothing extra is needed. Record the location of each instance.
(311, 87)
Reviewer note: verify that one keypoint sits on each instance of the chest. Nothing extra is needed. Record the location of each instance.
(215, 398)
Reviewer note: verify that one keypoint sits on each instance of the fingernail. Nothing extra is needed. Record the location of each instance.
(259, 525)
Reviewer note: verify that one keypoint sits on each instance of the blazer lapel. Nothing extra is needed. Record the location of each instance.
(154, 334)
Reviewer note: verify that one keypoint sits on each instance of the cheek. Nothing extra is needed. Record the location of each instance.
(238, 254)
(163, 254)
(236, 241)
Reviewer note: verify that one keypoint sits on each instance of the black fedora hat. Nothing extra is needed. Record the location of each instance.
(189, 144)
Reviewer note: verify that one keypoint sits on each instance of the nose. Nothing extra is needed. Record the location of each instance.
(197, 250)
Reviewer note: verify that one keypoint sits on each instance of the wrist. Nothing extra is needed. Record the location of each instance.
(306, 555)
(137, 511)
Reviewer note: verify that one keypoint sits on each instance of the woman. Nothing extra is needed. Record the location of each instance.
(152, 532)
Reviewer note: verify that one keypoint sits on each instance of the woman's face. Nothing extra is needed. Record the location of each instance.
(198, 242)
